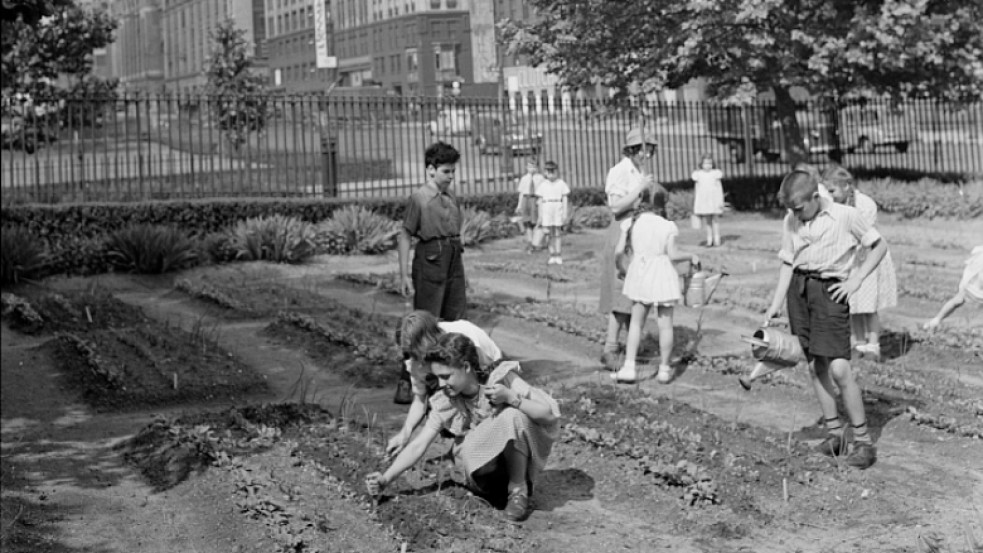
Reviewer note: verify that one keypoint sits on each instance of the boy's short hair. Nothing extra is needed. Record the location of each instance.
(416, 332)
(550, 166)
(837, 174)
(440, 153)
(798, 183)
(532, 163)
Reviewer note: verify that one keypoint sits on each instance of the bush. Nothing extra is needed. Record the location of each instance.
(151, 249)
(356, 230)
(277, 238)
(77, 255)
(217, 247)
(588, 216)
(22, 255)
(476, 228)
(926, 198)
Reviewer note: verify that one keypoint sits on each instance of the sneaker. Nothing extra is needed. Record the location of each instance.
(871, 351)
(551, 260)
(611, 360)
(404, 393)
(665, 374)
(517, 508)
(559, 260)
(832, 446)
(863, 455)
(627, 375)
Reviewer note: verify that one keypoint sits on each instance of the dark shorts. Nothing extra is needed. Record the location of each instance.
(821, 324)
(438, 279)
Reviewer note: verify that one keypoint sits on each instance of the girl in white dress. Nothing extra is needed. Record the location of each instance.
(880, 289)
(708, 198)
(554, 197)
(651, 279)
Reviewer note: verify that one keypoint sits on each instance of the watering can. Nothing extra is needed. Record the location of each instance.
(774, 349)
(698, 285)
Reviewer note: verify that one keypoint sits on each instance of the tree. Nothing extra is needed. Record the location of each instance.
(32, 57)
(29, 11)
(236, 91)
(904, 48)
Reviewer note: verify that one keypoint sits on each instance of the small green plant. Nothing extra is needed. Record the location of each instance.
(276, 238)
(587, 216)
(217, 247)
(22, 254)
(476, 227)
(151, 249)
(356, 230)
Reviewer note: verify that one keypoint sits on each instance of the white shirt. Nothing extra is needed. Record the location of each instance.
(828, 243)
(622, 179)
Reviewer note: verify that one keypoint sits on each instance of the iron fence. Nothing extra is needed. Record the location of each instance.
(132, 148)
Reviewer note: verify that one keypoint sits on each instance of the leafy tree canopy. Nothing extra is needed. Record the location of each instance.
(898, 47)
(30, 11)
(34, 56)
(235, 88)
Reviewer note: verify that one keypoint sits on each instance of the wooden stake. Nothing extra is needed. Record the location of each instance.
(88, 314)
(175, 381)
(785, 489)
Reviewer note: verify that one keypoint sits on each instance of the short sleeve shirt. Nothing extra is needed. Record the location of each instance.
(866, 206)
(552, 190)
(431, 213)
(488, 352)
(529, 183)
(828, 243)
(622, 179)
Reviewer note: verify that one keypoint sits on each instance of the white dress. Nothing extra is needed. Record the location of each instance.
(551, 195)
(880, 289)
(708, 193)
(651, 277)
(972, 280)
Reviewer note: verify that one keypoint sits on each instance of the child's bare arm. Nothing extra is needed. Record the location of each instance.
(954, 303)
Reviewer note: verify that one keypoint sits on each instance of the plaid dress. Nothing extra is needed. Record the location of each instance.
(880, 289)
(482, 430)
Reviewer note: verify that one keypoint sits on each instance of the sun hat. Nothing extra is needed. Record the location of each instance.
(634, 138)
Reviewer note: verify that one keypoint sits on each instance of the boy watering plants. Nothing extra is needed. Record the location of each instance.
(820, 240)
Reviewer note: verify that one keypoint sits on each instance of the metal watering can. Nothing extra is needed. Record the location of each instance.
(698, 285)
(774, 349)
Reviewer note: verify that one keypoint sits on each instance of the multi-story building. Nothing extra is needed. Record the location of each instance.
(291, 45)
(136, 58)
(187, 25)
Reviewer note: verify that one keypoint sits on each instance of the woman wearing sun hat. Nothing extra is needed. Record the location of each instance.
(625, 181)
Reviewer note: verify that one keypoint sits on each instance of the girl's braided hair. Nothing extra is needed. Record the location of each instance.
(457, 351)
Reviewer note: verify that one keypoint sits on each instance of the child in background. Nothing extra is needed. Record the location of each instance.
(879, 290)
(708, 198)
(554, 198)
(503, 428)
(528, 207)
(970, 287)
(651, 280)
(417, 332)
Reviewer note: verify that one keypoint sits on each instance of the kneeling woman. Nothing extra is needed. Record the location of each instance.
(503, 428)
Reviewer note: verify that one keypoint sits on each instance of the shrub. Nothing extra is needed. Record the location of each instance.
(151, 249)
(476, 228)
(22, 255)
(277, 238)
(217, 247)
(356, 230)
(78, 255)
(588, 216)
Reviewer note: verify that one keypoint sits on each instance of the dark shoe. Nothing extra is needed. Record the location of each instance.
(404, 393)
(611, 360)
(832, 446)
(517, 508)
(862, 456)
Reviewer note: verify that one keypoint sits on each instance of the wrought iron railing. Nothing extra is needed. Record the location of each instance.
(174, 146)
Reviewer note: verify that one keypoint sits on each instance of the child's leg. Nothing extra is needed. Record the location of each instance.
(517, 462)
(639, 312)
(873, 328)
(852, 398)
(705, 220)
(858, 329)
(557, 238)
(666, 338)
(826, 394)
(715, 223)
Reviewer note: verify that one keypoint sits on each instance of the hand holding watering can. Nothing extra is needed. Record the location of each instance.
(774, 348)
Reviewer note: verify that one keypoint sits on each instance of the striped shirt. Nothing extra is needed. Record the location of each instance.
(828, 243)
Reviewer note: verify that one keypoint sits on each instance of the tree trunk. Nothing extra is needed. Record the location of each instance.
(792, 147)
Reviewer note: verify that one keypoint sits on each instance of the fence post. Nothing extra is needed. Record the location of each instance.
(329, 164)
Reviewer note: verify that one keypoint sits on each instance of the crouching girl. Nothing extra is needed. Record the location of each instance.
(503, 428)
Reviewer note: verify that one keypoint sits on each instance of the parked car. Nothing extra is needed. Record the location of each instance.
(496, 134)
(451, 121)
(732, 126)
(18, 134)
(864, 128)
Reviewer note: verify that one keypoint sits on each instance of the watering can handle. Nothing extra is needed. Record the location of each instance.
(777, 321)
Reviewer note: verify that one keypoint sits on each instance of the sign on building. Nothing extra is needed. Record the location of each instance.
(324, 59)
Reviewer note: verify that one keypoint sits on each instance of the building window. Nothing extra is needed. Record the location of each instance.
(434, 4)
(412, 62)
(452, 4)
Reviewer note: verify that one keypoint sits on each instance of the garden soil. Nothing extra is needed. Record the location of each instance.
(237, 409)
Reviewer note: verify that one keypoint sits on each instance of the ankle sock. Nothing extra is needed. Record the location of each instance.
(834, 426)
(860, 434)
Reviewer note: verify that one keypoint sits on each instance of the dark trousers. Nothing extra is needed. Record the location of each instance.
(438, 279)
(821, 324)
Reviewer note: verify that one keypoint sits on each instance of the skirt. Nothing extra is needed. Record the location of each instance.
(612, 298)
(878, 291)
(485, 443)
(653, 280)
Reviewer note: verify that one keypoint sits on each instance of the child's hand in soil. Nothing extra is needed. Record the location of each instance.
(375, 483)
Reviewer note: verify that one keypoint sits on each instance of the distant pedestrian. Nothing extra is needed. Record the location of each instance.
(527, 208)
(625, 182)
(651, 279)
(503, 428)
(879, 290)
(970, 288)
(433, 217)
(418, 331)
(820, 239)
(708, 198)
(554, 206)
